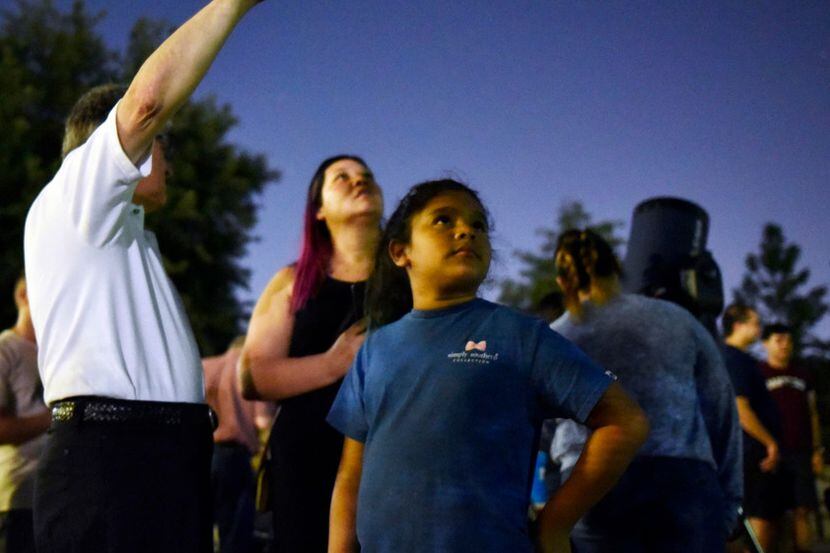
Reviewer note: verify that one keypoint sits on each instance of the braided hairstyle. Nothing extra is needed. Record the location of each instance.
(591, 256)
(388, 292)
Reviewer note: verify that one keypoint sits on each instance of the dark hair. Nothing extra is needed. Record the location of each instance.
(591, 254)
(316, 248)
(388, 292)
(550, 307)
(88, 113)
(734, 313)
(775, 328)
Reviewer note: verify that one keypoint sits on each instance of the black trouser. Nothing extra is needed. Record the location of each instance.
(125, 480)
(16, 534)
(659, 505)
(233, 497)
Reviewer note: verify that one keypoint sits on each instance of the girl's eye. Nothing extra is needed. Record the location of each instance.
(480, 225)
(440, 220)
(340, 176)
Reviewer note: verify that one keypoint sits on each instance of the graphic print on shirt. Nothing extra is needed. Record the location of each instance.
(786, 381)
(475, 351)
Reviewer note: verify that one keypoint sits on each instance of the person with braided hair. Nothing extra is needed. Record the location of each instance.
(683, 489)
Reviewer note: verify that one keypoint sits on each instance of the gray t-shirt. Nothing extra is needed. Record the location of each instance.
(671, 365)
(21, 395)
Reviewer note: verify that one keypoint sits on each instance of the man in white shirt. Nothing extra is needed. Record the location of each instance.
(23, 420)
(126, 466)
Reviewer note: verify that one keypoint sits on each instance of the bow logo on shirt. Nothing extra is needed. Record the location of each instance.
(480, 346)
(474, 353)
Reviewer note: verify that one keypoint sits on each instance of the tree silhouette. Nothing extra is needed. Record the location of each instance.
(537, 275)
(773, 285)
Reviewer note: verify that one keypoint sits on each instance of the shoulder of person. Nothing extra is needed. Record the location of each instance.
(282, 281)
(9, 354)
(276, 292)
(647, 302)
(509, 319)
(562, 323)
(670, 310)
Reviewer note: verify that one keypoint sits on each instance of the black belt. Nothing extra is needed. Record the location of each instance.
(108, 410)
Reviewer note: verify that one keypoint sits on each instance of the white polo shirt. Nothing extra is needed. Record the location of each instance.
(107, 318)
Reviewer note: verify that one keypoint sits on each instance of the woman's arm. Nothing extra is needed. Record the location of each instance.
(266, 371)
(342, 529)
(619, 429)
(815, 425)
(18, 430)
(753, 426)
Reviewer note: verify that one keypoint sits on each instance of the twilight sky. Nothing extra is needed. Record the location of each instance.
(536, 103)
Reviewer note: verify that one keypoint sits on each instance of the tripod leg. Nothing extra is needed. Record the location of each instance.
(752, 539)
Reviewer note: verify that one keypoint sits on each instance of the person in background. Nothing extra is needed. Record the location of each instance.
(235, 442)
(443, 406)
(302, 337)
(801, 450)
(24, 419)
(683, 490)
(764, 498)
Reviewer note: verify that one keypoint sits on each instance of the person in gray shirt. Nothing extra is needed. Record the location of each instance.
(24, 419)
(683, 490)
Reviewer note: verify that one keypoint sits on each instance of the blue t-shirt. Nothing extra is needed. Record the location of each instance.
(449, 404)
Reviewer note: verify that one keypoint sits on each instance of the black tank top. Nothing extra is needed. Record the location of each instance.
(305, 450)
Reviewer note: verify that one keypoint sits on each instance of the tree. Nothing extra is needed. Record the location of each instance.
(206, 225)
(537, 276)
(47, 60)
(772, 284)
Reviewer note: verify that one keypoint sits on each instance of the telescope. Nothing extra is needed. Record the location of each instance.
(667, 258)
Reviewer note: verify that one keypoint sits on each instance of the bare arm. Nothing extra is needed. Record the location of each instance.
(171, 73)
(343, 516)
(818, 451)
(619, 429)
(266, 371)
(18, 430)
(754, 427)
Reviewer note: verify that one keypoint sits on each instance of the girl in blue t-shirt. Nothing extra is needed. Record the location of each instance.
(443, 404)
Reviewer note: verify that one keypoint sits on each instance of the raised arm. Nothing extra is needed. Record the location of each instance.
(168, 77)
(619, 429)
(343, 516)
(266, 371)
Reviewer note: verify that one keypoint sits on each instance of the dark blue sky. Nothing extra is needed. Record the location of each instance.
(536, 103)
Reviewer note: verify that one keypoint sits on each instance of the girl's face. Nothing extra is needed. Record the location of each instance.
(448, 253)
(349, 191)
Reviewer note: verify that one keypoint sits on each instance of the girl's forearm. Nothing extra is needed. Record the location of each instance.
(619, 429)
(343, 514)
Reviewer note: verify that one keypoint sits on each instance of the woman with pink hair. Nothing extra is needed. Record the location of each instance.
(304, 332)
